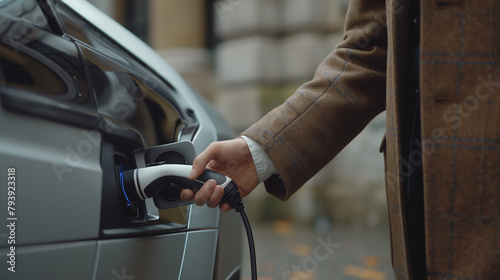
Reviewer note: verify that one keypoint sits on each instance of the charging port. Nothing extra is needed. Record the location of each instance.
(131, 207)
(135, 210)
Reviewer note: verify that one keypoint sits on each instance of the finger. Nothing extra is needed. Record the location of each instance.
(187, 194)
(201, 161)
(202, 196)
(216, 196)
(225, 207)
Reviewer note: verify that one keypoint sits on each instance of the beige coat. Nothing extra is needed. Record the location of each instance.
(460, 108)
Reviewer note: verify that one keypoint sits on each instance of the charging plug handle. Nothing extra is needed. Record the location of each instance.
(147, 182)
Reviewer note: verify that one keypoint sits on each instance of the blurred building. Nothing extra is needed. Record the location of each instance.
(248, 56)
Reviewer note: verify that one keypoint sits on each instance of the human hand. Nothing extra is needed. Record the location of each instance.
(231, 158)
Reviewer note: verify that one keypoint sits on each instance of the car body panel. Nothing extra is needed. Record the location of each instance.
(154, 257)
(199, 246)
(53, 261)
(51, 160)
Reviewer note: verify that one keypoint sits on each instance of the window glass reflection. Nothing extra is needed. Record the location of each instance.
(27, 10)
(41, 62)
(122, 94)
(82, 31)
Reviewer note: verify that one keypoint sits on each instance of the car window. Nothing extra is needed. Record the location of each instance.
(84, 32)
(122, 94)
(35, 60)
(27, 10)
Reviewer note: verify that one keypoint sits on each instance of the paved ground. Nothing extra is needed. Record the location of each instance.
(291, 252)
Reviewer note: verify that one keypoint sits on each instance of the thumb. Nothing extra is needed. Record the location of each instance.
(201, 161)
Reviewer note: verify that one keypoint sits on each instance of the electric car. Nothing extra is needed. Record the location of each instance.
(81, 101)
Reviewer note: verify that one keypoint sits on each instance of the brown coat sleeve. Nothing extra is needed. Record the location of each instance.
(325, 114)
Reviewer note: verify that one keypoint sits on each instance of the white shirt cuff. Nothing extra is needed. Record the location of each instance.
(264, 165)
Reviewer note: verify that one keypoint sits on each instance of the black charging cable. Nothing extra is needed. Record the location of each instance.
(233, 198)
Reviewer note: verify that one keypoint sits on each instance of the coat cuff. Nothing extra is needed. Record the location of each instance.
(263, 164)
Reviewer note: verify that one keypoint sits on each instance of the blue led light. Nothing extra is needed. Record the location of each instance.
(123, 186)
